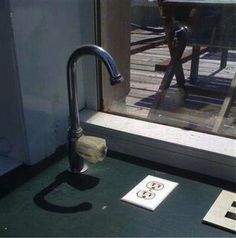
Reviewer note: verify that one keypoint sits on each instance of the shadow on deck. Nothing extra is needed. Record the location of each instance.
(200, 108)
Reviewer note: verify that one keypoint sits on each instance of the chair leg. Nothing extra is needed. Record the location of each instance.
(174, 66)
(194, 64)
(224, 56)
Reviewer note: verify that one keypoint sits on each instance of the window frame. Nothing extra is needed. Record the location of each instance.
(196, 151)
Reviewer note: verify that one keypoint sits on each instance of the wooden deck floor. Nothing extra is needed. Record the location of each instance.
(198, 111)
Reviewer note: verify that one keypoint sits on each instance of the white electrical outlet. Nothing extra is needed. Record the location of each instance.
(150, 192)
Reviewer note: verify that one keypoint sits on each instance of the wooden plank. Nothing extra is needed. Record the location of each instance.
(144, 62)
(141, 32)
(207, 91)
(146, 57)
(138, 36)
(141, 47)
(226, 106)
(148, 73)
(142, 67)
(155, 81)
(187, 55)
(204, 65)
(150, 86)
(161, 55)
(207, 71)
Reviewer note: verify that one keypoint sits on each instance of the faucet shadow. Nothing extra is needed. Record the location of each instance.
(80, 182)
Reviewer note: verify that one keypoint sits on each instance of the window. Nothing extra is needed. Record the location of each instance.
(135, 36)
(188, 149)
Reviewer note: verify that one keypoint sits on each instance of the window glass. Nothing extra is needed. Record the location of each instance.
(205, 100)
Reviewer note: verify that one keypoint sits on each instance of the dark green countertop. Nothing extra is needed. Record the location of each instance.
(53, 203)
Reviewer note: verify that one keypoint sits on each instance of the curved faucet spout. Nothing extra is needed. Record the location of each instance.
(115, 76)
(75, 131)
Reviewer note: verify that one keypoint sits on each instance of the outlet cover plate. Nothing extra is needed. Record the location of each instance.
(223, 211)
(150, 192)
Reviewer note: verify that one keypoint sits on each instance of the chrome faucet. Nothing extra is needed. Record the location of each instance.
(75, 131)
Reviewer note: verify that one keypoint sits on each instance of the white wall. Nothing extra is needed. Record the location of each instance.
(13, 149)
(45, 33)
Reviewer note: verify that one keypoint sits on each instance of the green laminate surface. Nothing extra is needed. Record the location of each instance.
(52, 203)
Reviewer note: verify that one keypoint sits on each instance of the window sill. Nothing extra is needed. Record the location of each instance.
(195, 151)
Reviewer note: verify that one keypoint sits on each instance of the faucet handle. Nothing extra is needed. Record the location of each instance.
(92, 149)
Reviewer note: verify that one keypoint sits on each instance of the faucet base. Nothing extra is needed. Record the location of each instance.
(84, 169)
